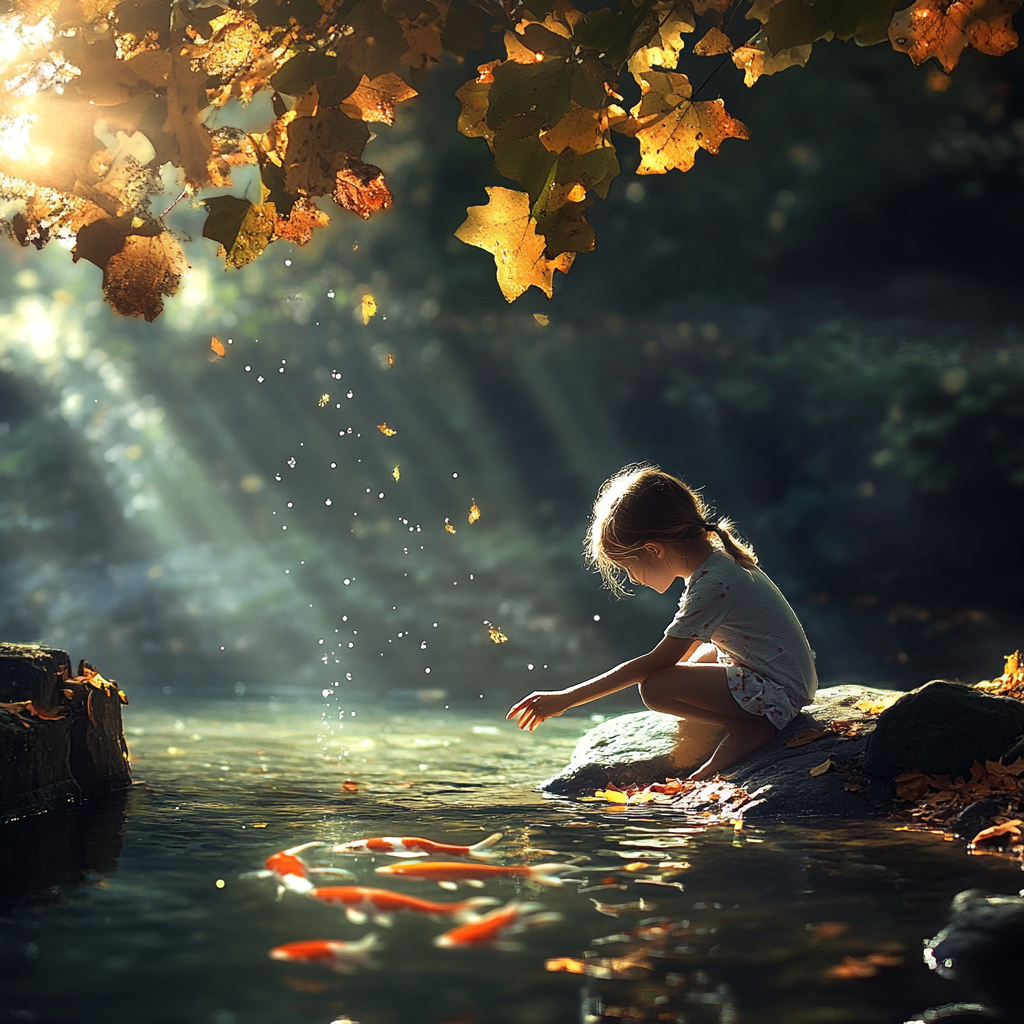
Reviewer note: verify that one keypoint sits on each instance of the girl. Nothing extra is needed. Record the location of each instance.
(735, 654)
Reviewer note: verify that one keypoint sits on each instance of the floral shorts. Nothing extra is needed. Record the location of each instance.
(758, 694)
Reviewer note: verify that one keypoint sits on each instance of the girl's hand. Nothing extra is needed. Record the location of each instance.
(540, 704)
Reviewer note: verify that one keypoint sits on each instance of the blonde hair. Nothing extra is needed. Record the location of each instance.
(642, 504)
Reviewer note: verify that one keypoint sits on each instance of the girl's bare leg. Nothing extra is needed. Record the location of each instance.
(701, 691)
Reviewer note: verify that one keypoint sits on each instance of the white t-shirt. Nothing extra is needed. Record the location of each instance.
(746, 617)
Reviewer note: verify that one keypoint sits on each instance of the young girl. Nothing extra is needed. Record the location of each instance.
(735, 654)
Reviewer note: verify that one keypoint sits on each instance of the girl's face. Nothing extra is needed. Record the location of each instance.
(654, 567)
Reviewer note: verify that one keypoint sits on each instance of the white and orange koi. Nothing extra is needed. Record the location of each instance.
(291, 872)
(449, 874)
(335, 955)
(361, 902)
(497, 928)
(415, 846)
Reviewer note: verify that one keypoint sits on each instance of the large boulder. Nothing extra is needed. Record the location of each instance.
(942, 728)
(638, 748)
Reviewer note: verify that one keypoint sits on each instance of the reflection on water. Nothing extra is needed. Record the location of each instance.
(783, 924)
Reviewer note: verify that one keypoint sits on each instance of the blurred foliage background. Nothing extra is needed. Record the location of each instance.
(821, 328)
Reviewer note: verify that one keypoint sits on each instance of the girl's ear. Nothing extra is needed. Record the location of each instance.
(655, 550)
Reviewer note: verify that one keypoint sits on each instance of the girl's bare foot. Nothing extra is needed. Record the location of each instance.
(742, 738)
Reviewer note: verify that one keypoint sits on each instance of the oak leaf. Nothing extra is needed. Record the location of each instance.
(186, 99)
(360, 188)
(149, 267)
(505, 228)
(932, 28)
(755, 60)
(671, 127)
(303, 219)
(664, 48)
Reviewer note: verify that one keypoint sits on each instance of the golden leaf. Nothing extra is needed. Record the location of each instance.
(375, 99)
(875, 706)
(565, 963)
(580, 129)
(217, 347)
(324, 399)
(820, 769)
(1010, 829)
(448, 528)
(474, 512)
(386, 430)
(360, 188)
(391, 360)
(368, 307)
(495, 635)
(505, 229)
(299, 225)
(755, 60)
(714, 43)
(254, 235)
(672, 127)
(931, 28)
(664, 49)
(186, 97)
(396, 474)
(136, 279)
(542, 318)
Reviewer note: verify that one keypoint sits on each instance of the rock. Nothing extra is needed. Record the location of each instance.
(975, 817)
(620, 751)
(74, 750)
(642, 747)
(982, 949)
(942, 728)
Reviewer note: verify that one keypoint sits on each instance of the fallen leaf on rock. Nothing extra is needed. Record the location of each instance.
(1010, 829)
(820, 769)
(803, 736)
(875, 706)
(1011, 682)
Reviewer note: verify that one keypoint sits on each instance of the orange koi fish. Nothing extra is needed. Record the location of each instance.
(414, 846)
(496, 928)
(292, 873)
(341, 957)
(361, 902)
(448, 875)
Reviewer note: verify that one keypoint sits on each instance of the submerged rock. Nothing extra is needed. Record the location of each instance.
(60, 735)
(942, 728)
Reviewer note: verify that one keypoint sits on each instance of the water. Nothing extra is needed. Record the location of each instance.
(117, 916)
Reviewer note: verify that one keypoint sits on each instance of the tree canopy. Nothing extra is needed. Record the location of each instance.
(104, 104)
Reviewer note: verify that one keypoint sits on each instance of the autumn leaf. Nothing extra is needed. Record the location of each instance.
(542, 319)
(374, 100)
(861, 966)
(1009, 829)
(448, 528)
(396, 474)
(755, 60)
(386, 430)
(713, 43)
(323, 400)
(474, 512)
(671, 127)
(243, 229)
(494, 634)
(820, 769)
(360, 188)
(302, 220)
(350, 786)
(217, 347)
(505, 228)
(875, 706)
(664, 49)
(932, 28)
(802, 736)
(186, 98)
(565, 963)
(391, 360)
(136, 279)
(368, 308)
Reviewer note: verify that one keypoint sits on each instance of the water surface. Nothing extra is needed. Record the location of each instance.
(136, 913)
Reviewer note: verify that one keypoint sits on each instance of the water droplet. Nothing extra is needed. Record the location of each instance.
(330, 293)
(287, 263)
(381, 495)
(346, 581)
(597, 618)
(529, 666)
(248, 368)
(328, 502)
(427, 670)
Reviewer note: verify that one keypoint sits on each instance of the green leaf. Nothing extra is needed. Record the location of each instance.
(224, 220)
(519, 155)
(302, 71)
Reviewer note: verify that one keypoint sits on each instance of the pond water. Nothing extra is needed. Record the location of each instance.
(134, 911)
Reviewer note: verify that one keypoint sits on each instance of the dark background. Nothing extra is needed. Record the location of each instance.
(820, 327)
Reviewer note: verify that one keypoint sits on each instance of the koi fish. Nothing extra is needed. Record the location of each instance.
(341, 957)
(497, 928)
(414, 846)
(361, 902)
(448, 875)
(292, 873)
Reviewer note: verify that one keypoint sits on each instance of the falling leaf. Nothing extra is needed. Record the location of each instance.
(386, 430)
(827, 930)
(396, 474)
(350, 786)
(542, 318)
(505, 228)
(323, 400)
(820, 769)
(368, 308)
(714, 43)
(565, 963)
(217, 347)
(671, 127)
(448, 528)
(391, 360)
(933, 28)
(494, 634)
(862, 966)
(474, 512)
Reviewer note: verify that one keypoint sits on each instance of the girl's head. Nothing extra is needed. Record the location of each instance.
(642, 505)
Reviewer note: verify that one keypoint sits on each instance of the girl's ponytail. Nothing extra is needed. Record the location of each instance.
(641, 504)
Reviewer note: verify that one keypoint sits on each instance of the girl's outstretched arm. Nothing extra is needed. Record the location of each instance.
(541, 704)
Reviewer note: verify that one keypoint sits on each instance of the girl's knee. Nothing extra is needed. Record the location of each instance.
(654, 690)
